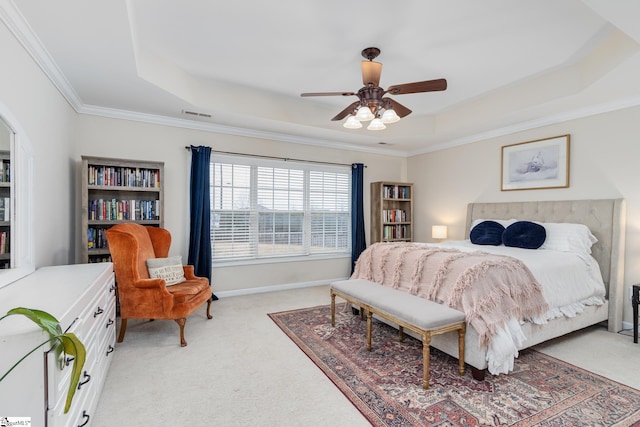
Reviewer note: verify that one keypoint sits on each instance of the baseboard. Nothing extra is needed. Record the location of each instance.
(274, 288)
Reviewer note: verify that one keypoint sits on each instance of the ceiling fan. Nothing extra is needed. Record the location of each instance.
(372, 103)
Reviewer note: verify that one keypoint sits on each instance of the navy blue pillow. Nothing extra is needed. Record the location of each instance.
(487, 233)
(524, 234)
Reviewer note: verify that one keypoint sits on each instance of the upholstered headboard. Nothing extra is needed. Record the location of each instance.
(606, 218)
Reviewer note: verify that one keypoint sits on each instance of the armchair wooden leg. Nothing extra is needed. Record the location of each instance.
(181, 322)
(209, 316)
(123, 328)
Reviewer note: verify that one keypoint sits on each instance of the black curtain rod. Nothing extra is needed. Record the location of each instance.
(276, 158)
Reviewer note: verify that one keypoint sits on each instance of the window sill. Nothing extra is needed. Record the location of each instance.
(277, 260)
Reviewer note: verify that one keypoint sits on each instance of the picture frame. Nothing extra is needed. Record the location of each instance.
(537, 164)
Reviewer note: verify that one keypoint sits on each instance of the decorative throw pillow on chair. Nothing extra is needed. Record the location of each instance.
(170, 269)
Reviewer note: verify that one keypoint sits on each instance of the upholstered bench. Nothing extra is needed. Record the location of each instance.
(424, 317)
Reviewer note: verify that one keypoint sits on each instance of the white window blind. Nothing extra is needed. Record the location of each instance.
(269, 208)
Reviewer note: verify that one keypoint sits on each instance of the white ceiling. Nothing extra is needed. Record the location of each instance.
(510, 64)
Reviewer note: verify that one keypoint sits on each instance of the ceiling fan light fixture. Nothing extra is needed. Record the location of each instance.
(390, 116)
(364, 114)
(372, 103)
(376, 124)
(352, 123)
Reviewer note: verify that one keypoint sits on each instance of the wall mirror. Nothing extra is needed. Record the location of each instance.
(6, 138)
(16, 237)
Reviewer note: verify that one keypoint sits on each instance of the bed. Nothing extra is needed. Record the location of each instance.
(605, 218)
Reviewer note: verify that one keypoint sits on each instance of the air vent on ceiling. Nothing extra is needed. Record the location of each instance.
(196, 114)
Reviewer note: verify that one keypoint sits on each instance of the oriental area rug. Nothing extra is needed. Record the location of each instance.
(386, 383)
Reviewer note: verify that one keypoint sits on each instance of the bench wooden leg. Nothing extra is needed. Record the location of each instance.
(369, 322)
(426, 354)
(333, 309)
(461, 333)
(400, 333)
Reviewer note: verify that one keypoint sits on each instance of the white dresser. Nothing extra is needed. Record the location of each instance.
(82, 298)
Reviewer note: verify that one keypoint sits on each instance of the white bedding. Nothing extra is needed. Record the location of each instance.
(569, 282)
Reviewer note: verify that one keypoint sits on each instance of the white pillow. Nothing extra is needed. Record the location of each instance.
(567, 237)
(504, 222)
(170, 269)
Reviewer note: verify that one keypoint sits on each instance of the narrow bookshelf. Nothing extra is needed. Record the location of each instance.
(116, 191)
(391, 212)
(5, 209)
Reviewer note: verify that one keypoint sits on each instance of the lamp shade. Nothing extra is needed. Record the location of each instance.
(390, 116)
(364, 114)
(376, 124)
(352, 123)
(439, 231)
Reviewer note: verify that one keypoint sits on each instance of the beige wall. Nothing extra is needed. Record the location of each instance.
(47, 121)
(605, 150)
(100, 136)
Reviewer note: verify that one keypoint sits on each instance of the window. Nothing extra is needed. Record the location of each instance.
(269, 208)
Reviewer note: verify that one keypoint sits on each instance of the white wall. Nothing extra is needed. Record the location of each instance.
(605, 150)
(106, 137)
(48, 123)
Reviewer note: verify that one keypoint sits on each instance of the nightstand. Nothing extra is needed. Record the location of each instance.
(635, 300)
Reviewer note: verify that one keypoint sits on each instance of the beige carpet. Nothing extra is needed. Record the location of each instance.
(239, 369)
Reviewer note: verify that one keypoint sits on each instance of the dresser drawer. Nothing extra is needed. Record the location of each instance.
(84, 403)
(96, 335)
(97, 310)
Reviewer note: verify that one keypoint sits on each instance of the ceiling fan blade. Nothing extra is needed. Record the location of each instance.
(344, 113)
(327, 94)
(417, 87)
(371, 71)
(400, 109)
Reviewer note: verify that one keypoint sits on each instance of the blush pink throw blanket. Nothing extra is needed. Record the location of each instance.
(489, 289)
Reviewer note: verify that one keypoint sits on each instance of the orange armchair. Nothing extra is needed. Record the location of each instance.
(142, 297)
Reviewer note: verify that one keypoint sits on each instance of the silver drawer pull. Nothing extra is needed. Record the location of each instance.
(109, 323)
(97, 312)
(86, 377)
(109, 350)
(85, 418)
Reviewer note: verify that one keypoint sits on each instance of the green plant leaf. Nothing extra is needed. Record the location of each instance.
(46, 321)
(74, 347)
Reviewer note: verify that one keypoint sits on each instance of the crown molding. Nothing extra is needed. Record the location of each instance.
(22, 31)
(230, 130)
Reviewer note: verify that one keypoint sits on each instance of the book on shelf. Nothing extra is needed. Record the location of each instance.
(396, 192)
(394, 215)
(395, 232)
(122, 176)
(4, 242)
(96, 238)
(5, 171)
(5, 208)
(119, 210)
(101, 258)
